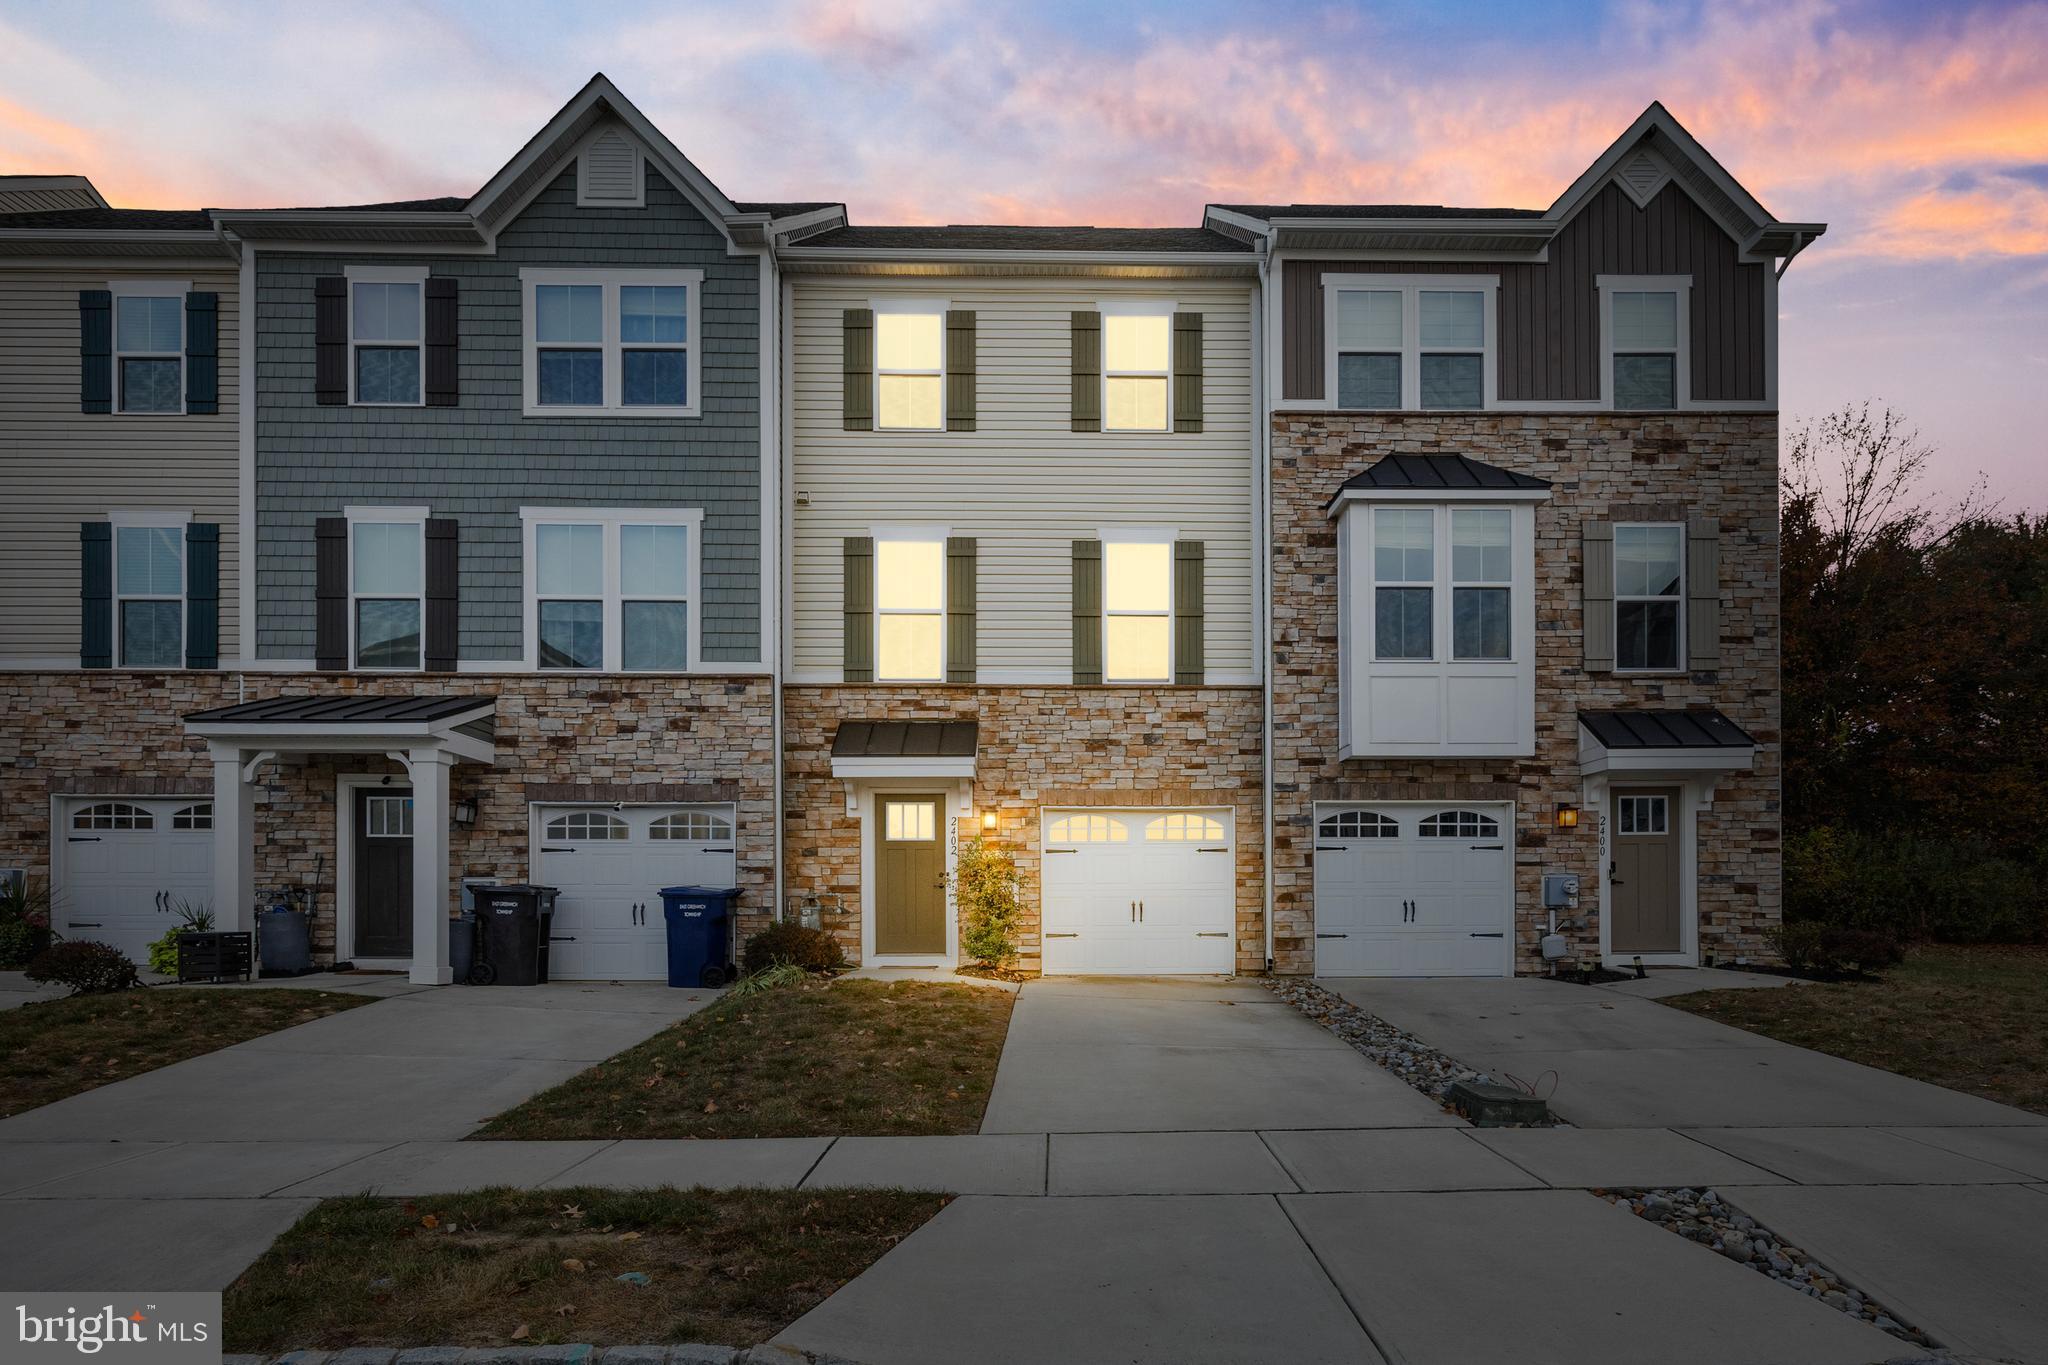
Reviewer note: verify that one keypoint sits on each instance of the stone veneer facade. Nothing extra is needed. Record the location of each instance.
(1602, 466)
(1039, 747)
(705, 738)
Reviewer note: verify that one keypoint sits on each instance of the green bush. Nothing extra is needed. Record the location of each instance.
(767, 979)
(814, 950)
(1956, 892)
(20, 943)
(87, 968)
(985, 885)
(163, 954)
(1829, 950)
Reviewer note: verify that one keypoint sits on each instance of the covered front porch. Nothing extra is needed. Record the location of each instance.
(425, 736)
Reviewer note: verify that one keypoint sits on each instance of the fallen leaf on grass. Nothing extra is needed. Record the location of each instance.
(629, 1237)
(521, 1332)
(573, 1264)
(430, 1221)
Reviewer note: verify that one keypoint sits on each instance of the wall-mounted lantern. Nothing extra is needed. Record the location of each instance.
(1567, 815)
(464, 812)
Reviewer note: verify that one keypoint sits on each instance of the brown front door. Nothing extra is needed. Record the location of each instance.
(1644, 873)
(383, 872)
(910, 874)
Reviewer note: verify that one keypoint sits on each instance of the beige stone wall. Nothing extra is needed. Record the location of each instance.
(1039, 746)
(559, 738)
(1613, 467)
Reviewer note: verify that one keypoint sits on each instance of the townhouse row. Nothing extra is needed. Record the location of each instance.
(1349, 589)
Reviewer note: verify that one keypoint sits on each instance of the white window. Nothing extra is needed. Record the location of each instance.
(611, 589)
(149, 346)
(386, 326)
(1404, 582)
(910, 366)
(620, 343)
(1137, 366)
(118, 815)
(909, 821)
(387, 817)
(1087, 829)
(1459, 824)
(1644, 814)
(690, 826)
(1358, 824)
(587, 826)
(1649, 596)
(1137, 608)
(1644, 343)
(1411, 341)
(149, 589)
(1182, 828)
(1482, 575)
(387, 586)
(910, 607)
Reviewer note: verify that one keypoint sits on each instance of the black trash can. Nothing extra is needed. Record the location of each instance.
(512, 939)
(697, 919)
(547, 922)
(462, 945)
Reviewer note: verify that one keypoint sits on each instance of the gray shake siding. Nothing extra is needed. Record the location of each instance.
(481, 460)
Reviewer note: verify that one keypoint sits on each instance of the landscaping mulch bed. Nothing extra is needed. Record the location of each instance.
(819, 1058)
(1973, 1019)
(53, 1048)
(527, 1267)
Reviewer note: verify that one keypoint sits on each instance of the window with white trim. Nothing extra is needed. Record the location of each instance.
(387, 817)
(586, 826)
(611, 343)
(690, 826)
(149, 589)
(115, 815)
(1643, 814)
(387, 587)
(910, 607)
(910, 366)
(611, 590)
(1459, 824)
(1411, 341)
(1649, 597)
(1404, 582)
(149, 347)
(1358, 824)
(1087, 829)
(1482, 578)
(1369, 342)
(1644, 342)
(1137, 610)
(387, 313)
(1183, 828)
(1137, 367)
(910, 821)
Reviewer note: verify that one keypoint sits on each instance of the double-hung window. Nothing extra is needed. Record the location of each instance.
(910, 366)
(1643, 325)
(149, 347)
(1137, 367)
(149, 589)
(1404, 582)
(387, 577)
(1137, 608)
(386, 321)
(611, 590)
(1408, 574)
(1649, 596)
(1482, 578)
(910, 607)
(619, 343)
(1411, 341)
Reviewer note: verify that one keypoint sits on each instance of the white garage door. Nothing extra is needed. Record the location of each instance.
(123, 865)
(1414, 891)
(611, 866)
(1139, 892)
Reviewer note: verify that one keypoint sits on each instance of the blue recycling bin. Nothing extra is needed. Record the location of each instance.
(697, 918)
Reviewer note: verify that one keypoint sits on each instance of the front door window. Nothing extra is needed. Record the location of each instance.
(1643, 875)
(910, 876)
(383, 873)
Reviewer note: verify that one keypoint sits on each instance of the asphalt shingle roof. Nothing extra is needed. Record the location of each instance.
(1271, 211)
(123, 220)
(1700, 729)
(995, 237)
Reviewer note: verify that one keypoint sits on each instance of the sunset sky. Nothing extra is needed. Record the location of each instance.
(1918, 130)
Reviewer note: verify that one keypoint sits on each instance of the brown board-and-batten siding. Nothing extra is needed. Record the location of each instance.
(1550, 311)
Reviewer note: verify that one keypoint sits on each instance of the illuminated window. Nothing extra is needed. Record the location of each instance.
(1086, 829)
(910, 368)
(1183, 828)
(909, 821)
(910, 610)
(1137, 605)
(1137, 366)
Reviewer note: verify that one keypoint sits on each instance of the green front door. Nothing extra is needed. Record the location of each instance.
(910, 875)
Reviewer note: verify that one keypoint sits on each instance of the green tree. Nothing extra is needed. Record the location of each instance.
(985, 886)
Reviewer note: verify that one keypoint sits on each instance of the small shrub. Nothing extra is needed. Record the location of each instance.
(1826, 950)
(985, 884)
(20, 943)
(87, 968)
(163, 954)
(767, 979)
(813, 950)
(26, 900)
(1798, 944)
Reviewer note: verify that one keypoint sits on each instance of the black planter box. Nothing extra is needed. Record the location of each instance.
(214, 956)
(1497, 1106)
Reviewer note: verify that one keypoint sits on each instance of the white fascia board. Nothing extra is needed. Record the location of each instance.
(1596, 758)
(1246, 260)
(902, 767)
(1351, 496)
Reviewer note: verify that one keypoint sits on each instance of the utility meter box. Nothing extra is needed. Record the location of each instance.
(1560, 890)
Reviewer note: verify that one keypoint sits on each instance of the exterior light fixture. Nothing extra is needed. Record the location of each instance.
(1567, 816)
(464, 813)
(988, 819)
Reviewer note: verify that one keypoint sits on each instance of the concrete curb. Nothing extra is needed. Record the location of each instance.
(690, 1353)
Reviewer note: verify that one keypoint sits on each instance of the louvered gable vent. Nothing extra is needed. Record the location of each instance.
(1641, 176)
(608, 171)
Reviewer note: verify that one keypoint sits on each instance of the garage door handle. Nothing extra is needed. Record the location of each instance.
(1494, 935)
(1063, 850)
(1063, 936)
(1221, 933)
(1330, 848)
(1212, 850)
(546, 849)
(1333, 936)
(1488, 848)
(85, 838)
(561, 938)
(82, 924)
(718, 850)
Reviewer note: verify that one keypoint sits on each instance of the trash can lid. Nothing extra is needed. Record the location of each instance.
(700, 891)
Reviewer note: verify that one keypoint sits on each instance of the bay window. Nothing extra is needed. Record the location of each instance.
(1404, 578)
(1482, 575)
(1411, 341)
(611, 590)
(611, 343)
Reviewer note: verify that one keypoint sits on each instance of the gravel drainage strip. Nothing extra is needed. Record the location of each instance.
(1703, 1216)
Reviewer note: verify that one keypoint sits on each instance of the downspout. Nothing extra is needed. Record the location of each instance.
(772, 411)
(785, 519)
(1262, 447)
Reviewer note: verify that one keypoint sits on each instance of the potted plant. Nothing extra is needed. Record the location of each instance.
(25, 906)
(192, 919)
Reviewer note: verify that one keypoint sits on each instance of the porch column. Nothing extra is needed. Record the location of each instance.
(234, 841)
(431, 883)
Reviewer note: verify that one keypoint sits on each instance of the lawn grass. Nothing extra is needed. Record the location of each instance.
(1973, 1019)
(532, 1267)
(851, 1057)
(53, 1048)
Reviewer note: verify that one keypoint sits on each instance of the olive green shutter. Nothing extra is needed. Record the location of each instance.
(1187, 371)
(1597, 559)
(1188, 663)
(1087, 610)
(857, 395)
(1087, 366)
(960, 603)
(959, 369)
(857, 594)
(1702, 592)
(95, 594)
(202, 595)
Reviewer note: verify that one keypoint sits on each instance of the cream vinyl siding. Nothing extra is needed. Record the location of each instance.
(59, 467)
(1024, 484)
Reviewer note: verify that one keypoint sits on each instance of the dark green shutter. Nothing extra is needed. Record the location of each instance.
(1188, 661)
(96, 358)
(330, 341)
(857, 393)
(202, 595)
(960, 607)
(95, 594)
(1187, 372)
(330, 593)
(443, 563)
(443, 347)
(1596, 555)
(1087, 610)
(202, 354)
(959, 369)
(1087, 366)
(857, 596)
